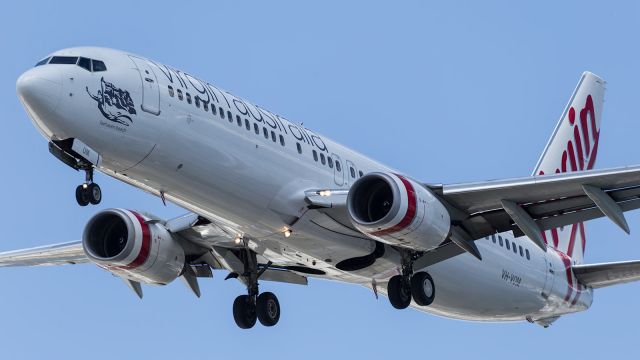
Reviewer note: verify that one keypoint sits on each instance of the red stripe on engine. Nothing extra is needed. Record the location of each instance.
(145, 249)
(408, 216)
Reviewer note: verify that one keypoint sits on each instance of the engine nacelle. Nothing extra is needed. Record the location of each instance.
(127, 244)
(398, 211)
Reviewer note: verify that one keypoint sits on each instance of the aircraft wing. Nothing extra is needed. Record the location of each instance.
(607, 274)
(58, 254)
(528, 206)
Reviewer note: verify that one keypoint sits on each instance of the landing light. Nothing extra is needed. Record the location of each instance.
(237, 239)
(85, 185)
(324, 192)
(287, 233)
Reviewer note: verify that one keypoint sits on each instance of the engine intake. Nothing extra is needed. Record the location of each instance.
(398, 211)
(127, 244)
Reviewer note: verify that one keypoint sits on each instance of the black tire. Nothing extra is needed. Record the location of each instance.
(244, 312)
(81, 196)
(268, 309)
(422, 289)
(94, 194)
(399, 292)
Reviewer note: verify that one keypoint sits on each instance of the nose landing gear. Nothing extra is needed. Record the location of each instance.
(89, 192)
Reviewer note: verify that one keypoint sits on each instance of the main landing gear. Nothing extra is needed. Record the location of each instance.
(402, 288)
(89, 192)
(255, 306)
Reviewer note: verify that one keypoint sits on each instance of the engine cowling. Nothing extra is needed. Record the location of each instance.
(398, 211)
(127, 244)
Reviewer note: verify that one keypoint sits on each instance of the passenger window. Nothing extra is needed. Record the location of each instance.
(500, 240)
(68, 60)
(256, 129)
(180, 95)
(188, 98)
(360, 173)
(493, 238)
(281, 140)
(506, 241)
(98, 66)
(197, 102)
(273, 136)
(238, 120)
(515, 249)
(213, 109)
(322, 159)
(299, 148)
(247, 125)
(171, 93)
(222, 113)
(205, 105)
(315, 155)
(353, 172)
(330, 161)
(85, 63)
(338, 166)
(521, 253)
(265, 132)
(526, 251)
(229, 116)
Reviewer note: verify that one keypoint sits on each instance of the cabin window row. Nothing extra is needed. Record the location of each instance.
(510, 245)
(268, 134)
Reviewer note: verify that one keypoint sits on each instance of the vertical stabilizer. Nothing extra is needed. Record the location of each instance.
(573, 146)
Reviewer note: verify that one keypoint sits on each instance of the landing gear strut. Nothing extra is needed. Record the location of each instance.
(89, 192)
(402, 288)
(255, 306)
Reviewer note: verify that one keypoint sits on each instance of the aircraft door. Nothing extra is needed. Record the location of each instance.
(338, 171)
(150, 88)
(549, 277)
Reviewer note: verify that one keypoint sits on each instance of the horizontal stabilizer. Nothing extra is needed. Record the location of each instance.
(607, 274)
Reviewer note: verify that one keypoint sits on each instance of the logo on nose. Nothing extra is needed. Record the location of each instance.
(114, 103)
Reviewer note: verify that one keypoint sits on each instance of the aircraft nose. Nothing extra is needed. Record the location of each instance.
(40, 89)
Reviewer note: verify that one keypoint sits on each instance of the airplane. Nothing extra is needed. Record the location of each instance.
(270, 200)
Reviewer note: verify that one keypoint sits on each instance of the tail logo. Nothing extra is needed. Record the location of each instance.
(580, 154)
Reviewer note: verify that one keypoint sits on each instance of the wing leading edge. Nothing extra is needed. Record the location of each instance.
(57, 254)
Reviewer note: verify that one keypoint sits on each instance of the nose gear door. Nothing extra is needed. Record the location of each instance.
(150, 89)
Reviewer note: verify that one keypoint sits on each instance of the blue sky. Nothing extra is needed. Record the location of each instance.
(444, 91)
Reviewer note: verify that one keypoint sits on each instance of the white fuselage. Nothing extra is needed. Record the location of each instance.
(251, 170)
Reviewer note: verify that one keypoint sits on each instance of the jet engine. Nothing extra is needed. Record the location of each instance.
(398, 211)
(133, 246)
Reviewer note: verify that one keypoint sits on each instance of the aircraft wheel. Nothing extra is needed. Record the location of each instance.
(422, 289)
(94, 193)
(399, 291)
(268, 309)
(81, 196)
(244, 312)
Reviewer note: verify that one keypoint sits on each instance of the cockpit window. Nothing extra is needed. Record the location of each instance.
(43, 61)
(85, 63)
(64, 60)
(98, 65)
